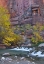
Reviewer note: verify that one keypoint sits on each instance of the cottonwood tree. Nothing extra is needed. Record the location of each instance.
(7, 35)
(37, 37)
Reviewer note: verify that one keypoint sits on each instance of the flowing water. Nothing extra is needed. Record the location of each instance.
(18, 58)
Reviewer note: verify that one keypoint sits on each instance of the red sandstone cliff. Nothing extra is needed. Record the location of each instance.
(3, 3)
(10, 4)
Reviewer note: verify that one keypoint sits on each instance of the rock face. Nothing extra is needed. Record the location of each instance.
(3, 3)
(2, 46)
(17, 8)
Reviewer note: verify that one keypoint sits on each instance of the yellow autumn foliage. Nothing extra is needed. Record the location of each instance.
(37, 29)
(7, 35)
(15, 39)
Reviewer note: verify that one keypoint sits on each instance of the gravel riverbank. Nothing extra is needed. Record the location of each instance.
(15, 60)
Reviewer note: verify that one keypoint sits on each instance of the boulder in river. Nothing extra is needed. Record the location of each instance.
(6, 54)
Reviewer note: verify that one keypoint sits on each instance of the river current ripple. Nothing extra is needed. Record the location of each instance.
(14, 59)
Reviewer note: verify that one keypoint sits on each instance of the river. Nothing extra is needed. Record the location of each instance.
(15, 58)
